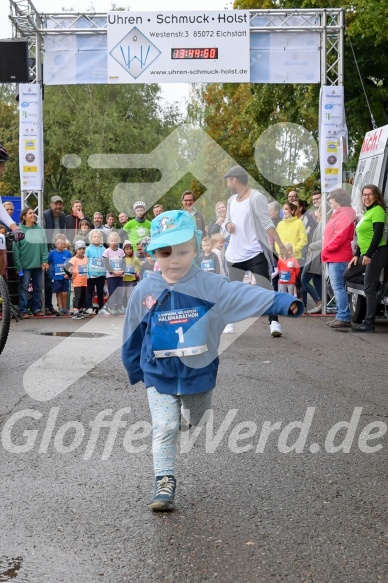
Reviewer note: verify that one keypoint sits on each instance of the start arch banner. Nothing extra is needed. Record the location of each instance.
(182, 47)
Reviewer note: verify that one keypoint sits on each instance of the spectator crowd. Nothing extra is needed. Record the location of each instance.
(98, 260)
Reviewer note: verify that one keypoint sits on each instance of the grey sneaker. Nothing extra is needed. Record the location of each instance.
(77, 316)
(164, 494)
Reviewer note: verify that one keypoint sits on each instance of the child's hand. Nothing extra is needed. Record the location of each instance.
(294, 308)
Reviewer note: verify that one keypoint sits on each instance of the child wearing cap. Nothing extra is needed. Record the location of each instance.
(77, 269)
(131, 271)
(172, 330)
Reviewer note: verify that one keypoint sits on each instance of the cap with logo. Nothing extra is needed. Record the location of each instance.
(56, 199)
(79, 245)
(236, 172)
(173, 228)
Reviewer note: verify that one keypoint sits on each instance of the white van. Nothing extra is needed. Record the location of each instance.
(372, 168)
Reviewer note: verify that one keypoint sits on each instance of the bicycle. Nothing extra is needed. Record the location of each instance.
(7, 310)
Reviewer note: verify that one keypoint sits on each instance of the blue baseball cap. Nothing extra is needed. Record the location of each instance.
(173, 228)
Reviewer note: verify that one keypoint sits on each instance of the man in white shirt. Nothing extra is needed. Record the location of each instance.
(249, 225)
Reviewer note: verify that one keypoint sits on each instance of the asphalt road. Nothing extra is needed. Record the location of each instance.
(74, 499)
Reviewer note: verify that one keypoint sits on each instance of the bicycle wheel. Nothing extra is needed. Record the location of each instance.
(5, 313)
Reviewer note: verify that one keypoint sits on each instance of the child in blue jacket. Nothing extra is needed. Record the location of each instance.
(172, 331)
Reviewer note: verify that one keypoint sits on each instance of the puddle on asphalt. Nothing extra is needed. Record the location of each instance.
(73, 334)
(9, 568)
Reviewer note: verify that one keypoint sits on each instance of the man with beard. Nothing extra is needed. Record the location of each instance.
(54, 222)
(74, 218)
(249, 225)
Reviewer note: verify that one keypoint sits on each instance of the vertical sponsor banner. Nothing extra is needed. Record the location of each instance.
(31, 137)
(332, 136)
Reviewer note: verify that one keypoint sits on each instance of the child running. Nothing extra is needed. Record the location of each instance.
(172, 330)
(60, 280)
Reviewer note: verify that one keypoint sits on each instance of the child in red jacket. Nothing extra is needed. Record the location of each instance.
(289, 270)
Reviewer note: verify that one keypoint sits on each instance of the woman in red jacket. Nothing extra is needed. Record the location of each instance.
(337, 252)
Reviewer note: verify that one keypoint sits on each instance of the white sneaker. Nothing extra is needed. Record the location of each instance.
(103, 312)
(275, 329)
(229, 329)
(316, 310)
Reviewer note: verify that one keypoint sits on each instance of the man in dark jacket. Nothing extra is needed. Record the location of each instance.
(54, 220)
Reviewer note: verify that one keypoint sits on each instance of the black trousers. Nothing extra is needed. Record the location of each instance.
(372, 277)
(79, 298)
(98, 283)
(257, 265)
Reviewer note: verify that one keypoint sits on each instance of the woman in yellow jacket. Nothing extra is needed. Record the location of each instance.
(292, 230)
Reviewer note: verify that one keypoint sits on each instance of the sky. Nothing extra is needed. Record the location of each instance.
(170, 92)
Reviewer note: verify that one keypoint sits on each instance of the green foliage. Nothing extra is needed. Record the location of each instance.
(99, 119)
(85, 120)
(236, 115)
(9, 124)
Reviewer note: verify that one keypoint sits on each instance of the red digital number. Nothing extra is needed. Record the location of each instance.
(197, 53)
(182, 54)
(213, 53)
(191, 53)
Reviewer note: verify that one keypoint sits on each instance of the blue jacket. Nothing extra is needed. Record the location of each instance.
(188, 316)
(95, 268)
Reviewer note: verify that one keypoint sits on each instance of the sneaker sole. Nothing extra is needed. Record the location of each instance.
(162, 506)
(276, 334)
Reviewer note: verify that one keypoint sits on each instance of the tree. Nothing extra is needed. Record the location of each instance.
(100, 119)
(9, 124)
(236, 115)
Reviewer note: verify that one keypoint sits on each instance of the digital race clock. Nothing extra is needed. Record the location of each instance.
(204, 53)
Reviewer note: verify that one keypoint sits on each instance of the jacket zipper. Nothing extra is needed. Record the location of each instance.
(176, 368)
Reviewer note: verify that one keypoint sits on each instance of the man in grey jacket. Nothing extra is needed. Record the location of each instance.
(249, 225)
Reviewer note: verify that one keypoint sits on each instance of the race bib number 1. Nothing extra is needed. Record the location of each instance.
(179, 332)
